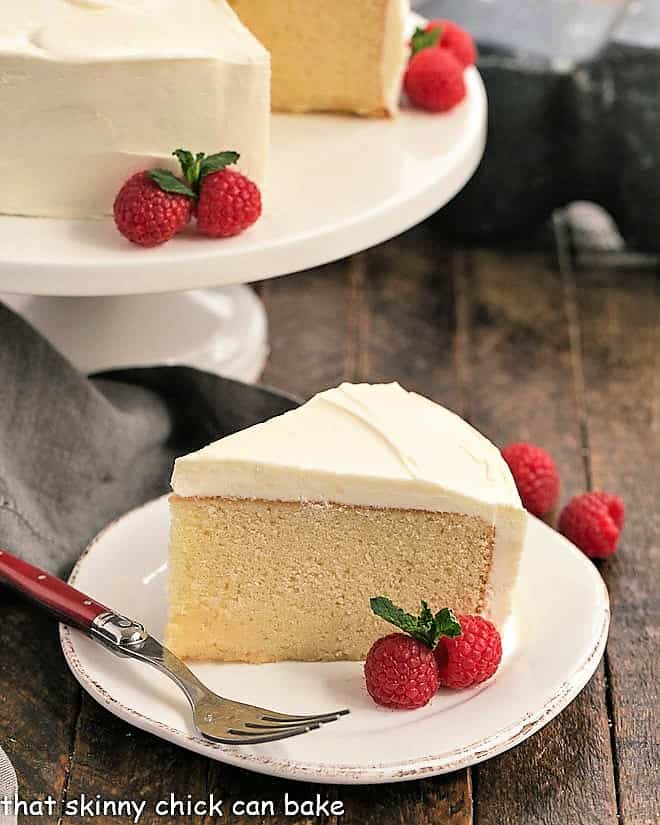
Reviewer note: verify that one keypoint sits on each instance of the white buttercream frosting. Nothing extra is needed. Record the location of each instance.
(374, 446)
(94, 90)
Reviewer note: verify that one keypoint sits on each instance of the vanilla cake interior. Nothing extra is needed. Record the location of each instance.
(282, 533)
(342, 56)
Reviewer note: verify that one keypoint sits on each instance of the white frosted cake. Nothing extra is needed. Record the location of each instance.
(92, 91)
(282, 533)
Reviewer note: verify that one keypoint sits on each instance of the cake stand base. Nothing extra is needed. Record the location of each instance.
(223, 331)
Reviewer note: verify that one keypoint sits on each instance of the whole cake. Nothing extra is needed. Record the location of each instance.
(281, 533)
(92, 91)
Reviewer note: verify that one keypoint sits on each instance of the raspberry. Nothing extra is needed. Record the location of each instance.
(401, 672)
(434, 80)
(456, 40)
(615, 507)
(472, 657)
(228, 204)
(593, 522)
(536, 476)
(148, 215)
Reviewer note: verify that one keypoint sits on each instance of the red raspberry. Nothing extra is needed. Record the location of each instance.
(434, 80)
(593, 522)
(147, 215)
(401, 672)
(615, 507)
(536, 476)
(472, 657)
(456, 40)
(228, 204)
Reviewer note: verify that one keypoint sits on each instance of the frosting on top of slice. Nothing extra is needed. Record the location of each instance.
(366, 445)
(101, 30)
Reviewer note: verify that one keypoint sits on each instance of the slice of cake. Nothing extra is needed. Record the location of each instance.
(94, 90)
(281, 533)
(344, 56)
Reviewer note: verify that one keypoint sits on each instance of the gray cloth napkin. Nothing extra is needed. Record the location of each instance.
(8, 788)
(77, 452)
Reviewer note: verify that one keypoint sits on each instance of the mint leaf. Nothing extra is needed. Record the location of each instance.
(426, 627)
(190, 166)
(386, 609)
(217, 162)
(169, 182)
(196, 167)
(186, 159)
(426, 615)
(423, 39)
(446, 624)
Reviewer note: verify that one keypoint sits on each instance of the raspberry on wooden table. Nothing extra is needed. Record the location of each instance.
(536, 476)
(593, 522)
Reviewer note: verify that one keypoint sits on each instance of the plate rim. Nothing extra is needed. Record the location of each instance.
(344, 773)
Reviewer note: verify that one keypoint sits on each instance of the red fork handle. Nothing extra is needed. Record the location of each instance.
(64, 601)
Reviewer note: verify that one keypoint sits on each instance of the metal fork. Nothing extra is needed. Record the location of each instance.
(216, 718)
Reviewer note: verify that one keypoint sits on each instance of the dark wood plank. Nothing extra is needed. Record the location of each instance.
(443, 800)
(415, 334)
(619, 315)
(39, 701)
(522, 388)
(310, 326)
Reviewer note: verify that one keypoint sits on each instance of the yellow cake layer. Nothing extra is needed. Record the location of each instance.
(337, 56)
(263, 581)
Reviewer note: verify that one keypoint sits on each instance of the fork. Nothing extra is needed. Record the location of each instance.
(215, 717)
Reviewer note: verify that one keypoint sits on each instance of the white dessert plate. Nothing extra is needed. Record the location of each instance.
(552, 647)
(337, 185)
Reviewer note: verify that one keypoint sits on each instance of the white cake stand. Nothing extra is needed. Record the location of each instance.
(337, 185)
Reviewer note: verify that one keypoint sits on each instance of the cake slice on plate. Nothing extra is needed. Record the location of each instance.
(344, 56)
(281, 533)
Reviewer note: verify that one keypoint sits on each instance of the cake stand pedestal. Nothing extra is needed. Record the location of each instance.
(218, 330)
(337, 185)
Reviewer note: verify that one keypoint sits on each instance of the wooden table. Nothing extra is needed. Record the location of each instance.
(545, 343)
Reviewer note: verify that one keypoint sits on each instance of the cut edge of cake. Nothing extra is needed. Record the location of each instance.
(348, 58)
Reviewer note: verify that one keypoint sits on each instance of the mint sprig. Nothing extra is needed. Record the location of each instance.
(427, 627)
(169, 182)
(194, 168)
(423, 39)
(217, 162)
